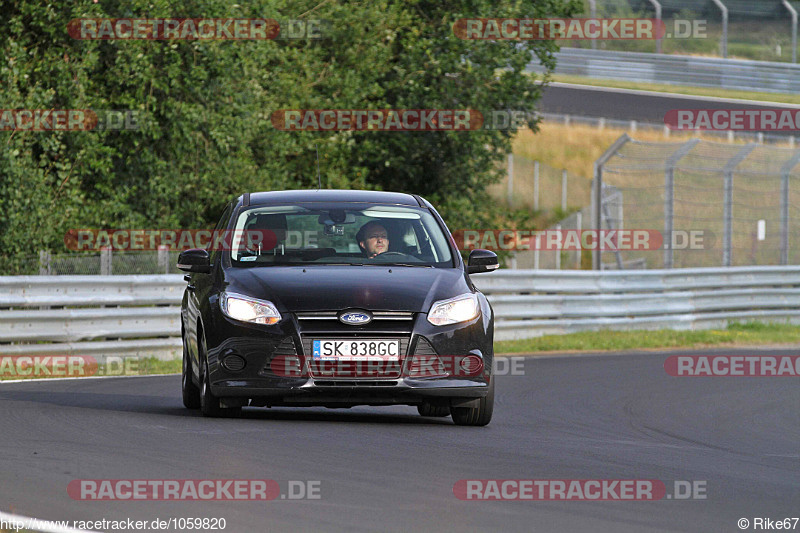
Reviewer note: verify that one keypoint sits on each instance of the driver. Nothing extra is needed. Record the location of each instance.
(373, 239)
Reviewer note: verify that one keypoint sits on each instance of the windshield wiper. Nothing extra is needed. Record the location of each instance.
(422, 265)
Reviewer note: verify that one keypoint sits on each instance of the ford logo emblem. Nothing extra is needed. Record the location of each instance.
(355, 318)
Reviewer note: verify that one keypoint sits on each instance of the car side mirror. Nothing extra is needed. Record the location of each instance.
(482, 261)
(194, 260)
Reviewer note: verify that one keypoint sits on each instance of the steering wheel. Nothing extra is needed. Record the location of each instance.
(384, 254)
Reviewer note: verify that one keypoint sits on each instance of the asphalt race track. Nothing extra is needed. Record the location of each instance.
(388, 469)
(642, 106)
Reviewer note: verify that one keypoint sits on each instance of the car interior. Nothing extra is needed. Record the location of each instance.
(408, 240)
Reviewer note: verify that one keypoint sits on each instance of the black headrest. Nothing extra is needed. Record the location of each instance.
(271, 221)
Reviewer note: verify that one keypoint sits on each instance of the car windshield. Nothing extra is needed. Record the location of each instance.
(346, 234)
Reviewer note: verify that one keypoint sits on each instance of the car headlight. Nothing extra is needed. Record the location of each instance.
(455, 310)
(246, 309)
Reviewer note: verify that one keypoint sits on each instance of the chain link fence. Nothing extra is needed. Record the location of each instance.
(717, 204)
(105, 263)
(535, 185)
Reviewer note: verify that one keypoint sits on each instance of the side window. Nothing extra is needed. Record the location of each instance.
(221, 226)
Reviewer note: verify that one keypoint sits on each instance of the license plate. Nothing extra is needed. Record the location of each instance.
(355, 350)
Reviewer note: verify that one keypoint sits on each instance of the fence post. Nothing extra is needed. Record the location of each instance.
(578, 221)
(727, 209)
(597, 191)
(45, 268)
(724, 39)
(657, 5)
(558, 251)
(163, 258)
(536, 185)
(669, 198)
(785, 171)
(793, 12)
(105, 261)
(564, 190)
(510, 180)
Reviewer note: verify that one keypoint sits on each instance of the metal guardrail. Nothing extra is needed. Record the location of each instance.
(139, 315)
(99, 316)
(719, 73)
(540, 302)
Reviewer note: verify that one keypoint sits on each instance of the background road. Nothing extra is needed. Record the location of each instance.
(388, 469)
(642, 106)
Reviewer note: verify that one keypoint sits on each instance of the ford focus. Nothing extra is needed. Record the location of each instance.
(336, 298)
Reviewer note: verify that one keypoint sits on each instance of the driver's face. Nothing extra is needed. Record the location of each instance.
(376, 241)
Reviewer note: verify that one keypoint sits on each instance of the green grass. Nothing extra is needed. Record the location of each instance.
(737, 334)
(745, 334)
(131, 367)
(783, 98)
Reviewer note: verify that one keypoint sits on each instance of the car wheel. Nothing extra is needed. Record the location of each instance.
(191, 394)
(209, 404)
(426, 409)
(475, 416)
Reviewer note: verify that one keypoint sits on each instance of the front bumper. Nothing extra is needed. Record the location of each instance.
(257, 384)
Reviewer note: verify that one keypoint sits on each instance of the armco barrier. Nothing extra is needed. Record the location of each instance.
(99, 316)
(530, 303)
(140, 315)
(697, 71)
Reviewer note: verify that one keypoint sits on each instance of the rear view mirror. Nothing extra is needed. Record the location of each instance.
(194, 260)
(482, 261)
(335, 217)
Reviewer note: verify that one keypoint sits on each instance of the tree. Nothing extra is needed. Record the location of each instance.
(205, 106)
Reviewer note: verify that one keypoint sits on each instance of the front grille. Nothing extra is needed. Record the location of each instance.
(325, 325)
(376, 315)
(285, 348)
(355, 383)
(424, 347)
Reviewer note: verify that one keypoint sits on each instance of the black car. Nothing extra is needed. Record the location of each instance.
(343, 298)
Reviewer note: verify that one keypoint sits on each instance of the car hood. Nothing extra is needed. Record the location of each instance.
(326, 288)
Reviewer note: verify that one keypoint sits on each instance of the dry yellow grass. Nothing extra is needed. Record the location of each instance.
(576, 147)
(698, 193)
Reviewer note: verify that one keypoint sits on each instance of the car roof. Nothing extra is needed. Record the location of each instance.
(329, 195)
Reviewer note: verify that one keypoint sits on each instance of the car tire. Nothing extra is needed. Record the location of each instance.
(475, 416)
(209, 404)
(426, 409)
(190, 392)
